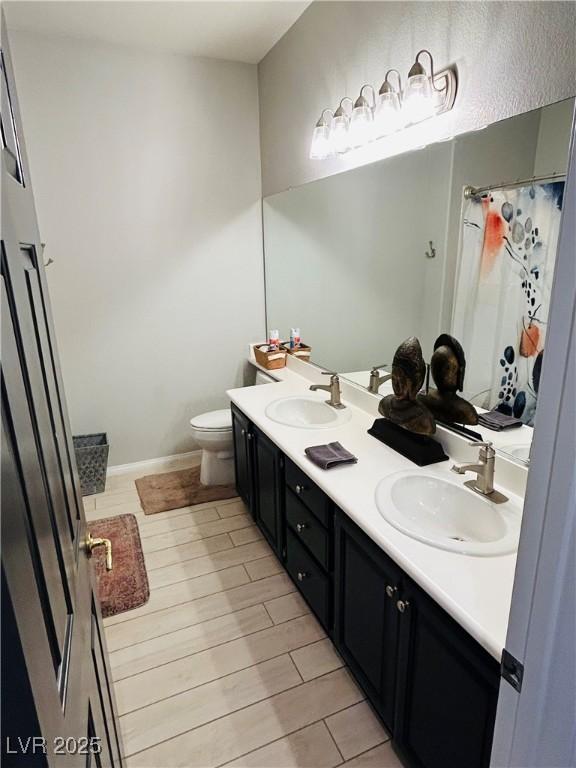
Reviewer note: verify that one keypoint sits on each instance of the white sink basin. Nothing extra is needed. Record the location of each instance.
(447, 515)
(306, 412)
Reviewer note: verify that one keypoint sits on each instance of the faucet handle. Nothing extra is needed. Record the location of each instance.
(376, 368)
(329, 373)
(487, 445)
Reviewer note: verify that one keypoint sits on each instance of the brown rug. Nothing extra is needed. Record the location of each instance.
(126, 585)
(172, 490)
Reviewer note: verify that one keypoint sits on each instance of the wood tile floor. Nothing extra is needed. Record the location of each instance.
(225, 665)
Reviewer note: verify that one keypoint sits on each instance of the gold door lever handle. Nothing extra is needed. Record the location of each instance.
(90, 543)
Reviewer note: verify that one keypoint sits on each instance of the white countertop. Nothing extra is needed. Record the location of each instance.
(475, 591)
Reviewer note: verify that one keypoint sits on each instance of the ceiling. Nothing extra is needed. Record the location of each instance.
(238, 31)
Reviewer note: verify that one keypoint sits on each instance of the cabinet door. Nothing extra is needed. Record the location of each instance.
(366, 617)
(242, 457)
(267, 484)
(447, 689)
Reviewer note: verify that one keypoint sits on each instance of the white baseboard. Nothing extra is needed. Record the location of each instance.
(163, 462)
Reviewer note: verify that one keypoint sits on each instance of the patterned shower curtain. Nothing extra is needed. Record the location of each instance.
(508, 243)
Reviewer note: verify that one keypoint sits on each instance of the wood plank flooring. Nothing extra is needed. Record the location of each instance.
(225, 665)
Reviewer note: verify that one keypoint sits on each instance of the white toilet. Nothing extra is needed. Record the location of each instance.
(213, 433)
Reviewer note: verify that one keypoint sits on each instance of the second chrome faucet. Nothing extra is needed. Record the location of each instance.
(334, 388)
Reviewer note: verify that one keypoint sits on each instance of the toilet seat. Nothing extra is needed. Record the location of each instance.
(213, 421)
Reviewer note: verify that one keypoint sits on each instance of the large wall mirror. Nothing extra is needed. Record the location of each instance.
(457, 237)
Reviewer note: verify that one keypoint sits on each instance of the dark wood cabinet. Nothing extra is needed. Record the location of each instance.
(241, 429)
(366, 632)
(309, 530)
(268, 464)
(310, 542)
(447, 689)
(312, 580)
(432, 685)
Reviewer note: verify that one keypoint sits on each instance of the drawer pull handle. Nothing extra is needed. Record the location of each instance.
(243, 432)
(249, 436)
(300, 527)
(402, 605)
(302, 575)
(391, 591)
(300, 489)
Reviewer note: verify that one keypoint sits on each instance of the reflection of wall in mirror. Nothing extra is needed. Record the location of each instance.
(345, 258)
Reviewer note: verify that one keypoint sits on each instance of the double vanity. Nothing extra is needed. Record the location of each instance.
(409, 571)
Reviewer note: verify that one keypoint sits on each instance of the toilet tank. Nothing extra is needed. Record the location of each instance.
(263, 378)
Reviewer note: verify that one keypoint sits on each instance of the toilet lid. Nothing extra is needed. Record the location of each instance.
(213, 420)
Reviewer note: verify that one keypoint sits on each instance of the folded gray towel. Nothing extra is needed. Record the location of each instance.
(498, 421)
(330, 455)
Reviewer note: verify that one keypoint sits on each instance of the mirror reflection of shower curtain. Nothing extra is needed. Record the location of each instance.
(508, 242)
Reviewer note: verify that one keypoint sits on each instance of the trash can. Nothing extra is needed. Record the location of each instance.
(92, 461)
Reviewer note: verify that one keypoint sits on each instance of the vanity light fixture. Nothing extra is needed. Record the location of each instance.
(424, 96)
(362, 120)
(321, 146)
(340, 130)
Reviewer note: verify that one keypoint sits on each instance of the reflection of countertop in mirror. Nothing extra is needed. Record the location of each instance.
(475, 591)
(363, 379)
(515, 442)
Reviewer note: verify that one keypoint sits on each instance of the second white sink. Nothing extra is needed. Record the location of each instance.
(306, 412)
(448, 516)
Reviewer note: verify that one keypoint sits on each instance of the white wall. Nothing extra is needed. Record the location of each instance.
(146, 177)
(511, 57)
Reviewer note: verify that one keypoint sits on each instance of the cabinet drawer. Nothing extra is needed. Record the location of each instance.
(315, 499)
(310, 579)
(308, 529)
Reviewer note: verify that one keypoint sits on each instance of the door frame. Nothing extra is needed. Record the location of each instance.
(535, 726)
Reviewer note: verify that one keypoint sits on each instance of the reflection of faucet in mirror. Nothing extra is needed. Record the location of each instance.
(333, 388)
(376, 380)
(448, 366)
(402, 408)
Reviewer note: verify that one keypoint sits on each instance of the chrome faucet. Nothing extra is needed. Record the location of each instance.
(333, 388)
(376, 380)
(484, 468)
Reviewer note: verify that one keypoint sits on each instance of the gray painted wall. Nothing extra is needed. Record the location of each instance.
(511, 57)
(146, 174)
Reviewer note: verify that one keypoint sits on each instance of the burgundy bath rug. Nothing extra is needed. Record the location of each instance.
(126, 585)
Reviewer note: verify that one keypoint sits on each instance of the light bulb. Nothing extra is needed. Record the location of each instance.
(339, 131)
(388, 114)
(418, 98)
(361, 124)
(321, 146)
